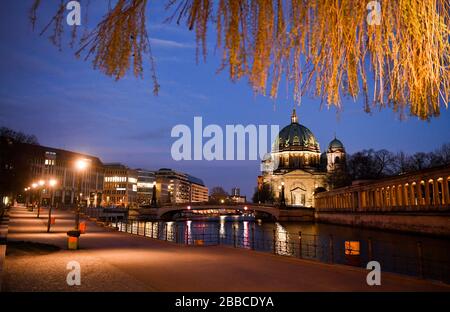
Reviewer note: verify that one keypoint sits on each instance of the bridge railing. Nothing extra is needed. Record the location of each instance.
(410, 258)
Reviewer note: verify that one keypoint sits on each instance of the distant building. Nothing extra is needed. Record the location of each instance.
(120, 186)
(177, 187)
(45, 163)
(297, 168)
(199, 192)
(235, 196)
(146, 180)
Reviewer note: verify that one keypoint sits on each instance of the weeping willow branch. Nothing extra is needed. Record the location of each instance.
(117, 44)
(328, 47)
(322, 47)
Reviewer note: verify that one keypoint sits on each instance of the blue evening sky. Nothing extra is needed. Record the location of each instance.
(68, 105)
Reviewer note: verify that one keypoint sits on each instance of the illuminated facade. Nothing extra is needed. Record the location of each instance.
(297, 164)
(120, 186)
(146, 181)
(177, 187)
(46, 163)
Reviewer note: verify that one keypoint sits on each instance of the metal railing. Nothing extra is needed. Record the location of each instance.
(405, 258)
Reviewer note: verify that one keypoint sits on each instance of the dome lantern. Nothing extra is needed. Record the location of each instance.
(294, 118)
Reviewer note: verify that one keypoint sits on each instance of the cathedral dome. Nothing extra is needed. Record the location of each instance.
(296, 137)
(336, 145)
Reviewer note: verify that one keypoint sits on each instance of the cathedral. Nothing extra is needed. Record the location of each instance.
(297, 168)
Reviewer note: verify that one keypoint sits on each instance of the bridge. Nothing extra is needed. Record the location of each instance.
(272, 211)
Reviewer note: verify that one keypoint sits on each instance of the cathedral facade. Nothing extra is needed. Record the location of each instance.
(296, 168)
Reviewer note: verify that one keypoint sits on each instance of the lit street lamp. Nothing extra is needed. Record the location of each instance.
(80, 167)
(41, 184)
(52, 183)
(34, 188)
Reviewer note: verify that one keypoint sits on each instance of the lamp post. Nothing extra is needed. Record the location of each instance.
(282, 197)
(41, 185)
(153, 202)
(34, 188)
(52, 183)
(80, 167)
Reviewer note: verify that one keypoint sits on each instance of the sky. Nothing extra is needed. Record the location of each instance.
(68, 105)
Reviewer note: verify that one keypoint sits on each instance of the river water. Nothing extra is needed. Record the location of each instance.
(409, 254)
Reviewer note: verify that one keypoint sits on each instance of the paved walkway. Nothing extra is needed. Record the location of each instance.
(114, 261)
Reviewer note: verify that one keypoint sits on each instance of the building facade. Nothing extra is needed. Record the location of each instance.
(120, 186)
(145, 183)
(177, 187)
(46, 163)
(296, 166)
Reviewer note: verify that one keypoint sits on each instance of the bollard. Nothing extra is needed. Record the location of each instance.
(300, 244)
(234, 236)
(166, 231)
(82, 227)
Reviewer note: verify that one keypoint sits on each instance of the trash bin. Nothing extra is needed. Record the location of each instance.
(82, 227)
(72, 239)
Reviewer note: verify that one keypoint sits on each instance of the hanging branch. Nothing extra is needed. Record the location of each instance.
(321, 47)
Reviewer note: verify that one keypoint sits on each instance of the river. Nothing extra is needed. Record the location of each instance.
(402, 253)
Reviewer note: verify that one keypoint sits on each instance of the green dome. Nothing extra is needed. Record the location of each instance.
(335, 145)
(296, 137)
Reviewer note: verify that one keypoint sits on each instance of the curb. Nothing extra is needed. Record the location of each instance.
(4, 221)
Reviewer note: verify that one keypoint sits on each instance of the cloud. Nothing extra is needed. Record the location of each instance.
(162, 133)
(170, 44)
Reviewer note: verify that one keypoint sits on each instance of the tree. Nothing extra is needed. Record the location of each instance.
(263, 195)
(218, 194)
(326, 48)
(7, 134)
(14, 169)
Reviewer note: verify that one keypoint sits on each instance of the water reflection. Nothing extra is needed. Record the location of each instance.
(396, 252)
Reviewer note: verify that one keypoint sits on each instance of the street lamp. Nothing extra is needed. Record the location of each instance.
(40, 184)
(282, 199)
(52, 183)
(34, 187)
(153, 202)
(80, 167)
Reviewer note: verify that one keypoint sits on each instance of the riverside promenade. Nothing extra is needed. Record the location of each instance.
(115, 261)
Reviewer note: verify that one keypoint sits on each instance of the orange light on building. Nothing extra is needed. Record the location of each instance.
(352, 248)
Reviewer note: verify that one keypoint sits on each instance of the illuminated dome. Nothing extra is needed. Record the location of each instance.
(296, 137)
(336, 145)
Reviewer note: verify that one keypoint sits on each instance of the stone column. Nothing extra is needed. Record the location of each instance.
(427, 193)
(445, 197)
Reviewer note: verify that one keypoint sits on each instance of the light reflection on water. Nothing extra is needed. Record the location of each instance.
(396, 252)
